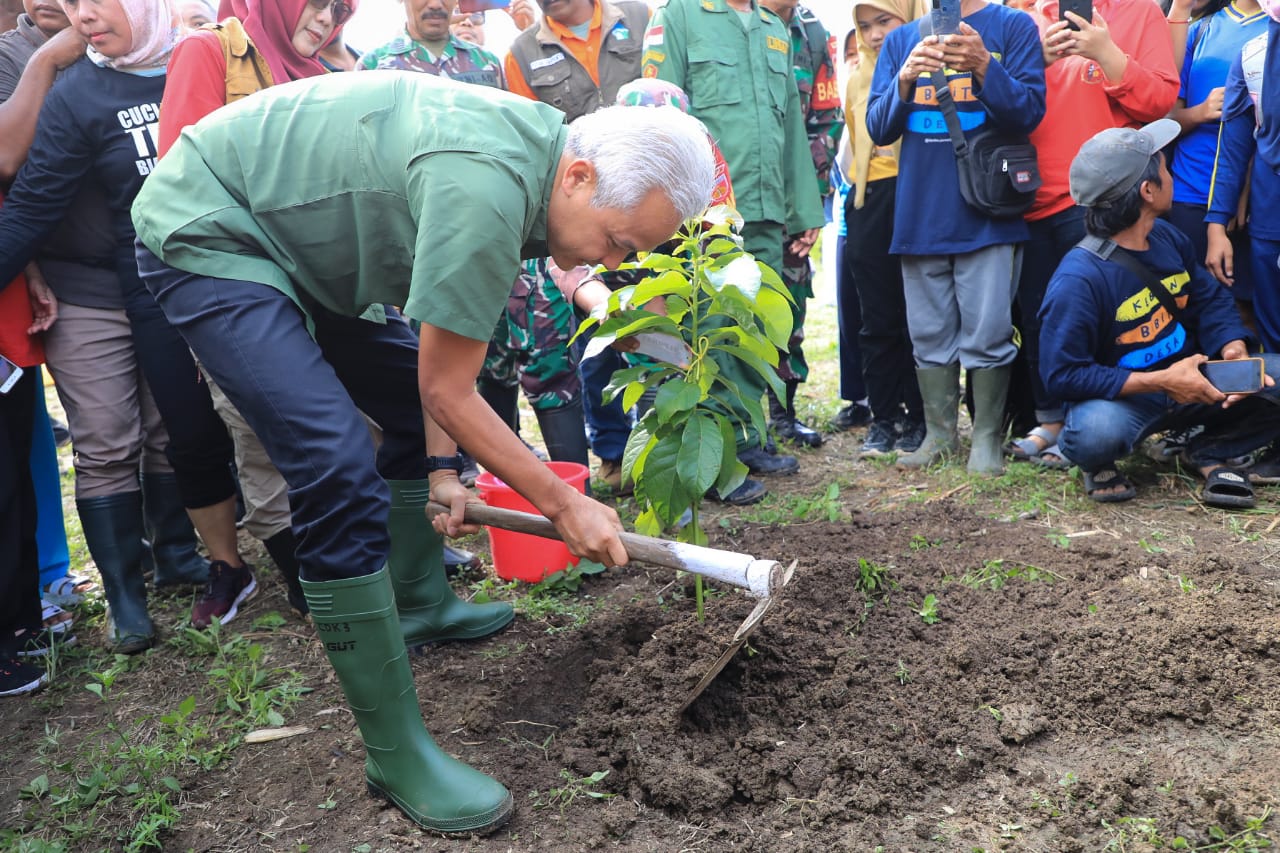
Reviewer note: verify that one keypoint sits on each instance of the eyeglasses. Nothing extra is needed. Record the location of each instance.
(338, 10)
(476, 19)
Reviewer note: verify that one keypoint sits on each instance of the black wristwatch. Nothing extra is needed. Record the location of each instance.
(447, 463)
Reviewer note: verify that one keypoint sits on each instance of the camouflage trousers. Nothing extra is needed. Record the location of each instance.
(530, 345)
(797, 275)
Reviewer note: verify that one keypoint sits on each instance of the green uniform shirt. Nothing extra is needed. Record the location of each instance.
(740, 84)
(354, 190)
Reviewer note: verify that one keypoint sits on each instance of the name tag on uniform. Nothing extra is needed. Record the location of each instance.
(775, 43)
(543, 63)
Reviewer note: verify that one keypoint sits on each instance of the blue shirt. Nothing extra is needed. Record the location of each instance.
(1244, 136)
(931, 218)
(1099, 322)
(1213, 44)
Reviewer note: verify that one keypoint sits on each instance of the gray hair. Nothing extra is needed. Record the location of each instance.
(638, 149)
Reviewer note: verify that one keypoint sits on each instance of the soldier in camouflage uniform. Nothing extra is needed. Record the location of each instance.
(813, 62)
(530, 345)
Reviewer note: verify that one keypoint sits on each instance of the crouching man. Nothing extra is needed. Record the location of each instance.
(272, 226)
(1128, 320)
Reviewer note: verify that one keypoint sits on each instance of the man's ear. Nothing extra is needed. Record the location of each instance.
(1148, 191)
(578, 175)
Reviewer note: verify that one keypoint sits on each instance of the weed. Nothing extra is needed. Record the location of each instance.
(903, 674)
(1060, 539)
(919, 542)
(872, 578)
(993, 711)
(927, 610)
(1186, 585)
(1150, 548)
(573, 787)
(1143, 833)
(996, 573)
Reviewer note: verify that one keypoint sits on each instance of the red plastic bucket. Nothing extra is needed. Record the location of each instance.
(522, 556)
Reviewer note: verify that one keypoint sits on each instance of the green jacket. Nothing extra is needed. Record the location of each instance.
(740, 84)
(426, 193)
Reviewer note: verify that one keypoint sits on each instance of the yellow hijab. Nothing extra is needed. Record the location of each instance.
(859, 91)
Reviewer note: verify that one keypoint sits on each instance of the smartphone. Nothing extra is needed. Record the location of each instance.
(10, 373)
(945, 17)
(466, 7)
(1083, 8)
(1239, 376)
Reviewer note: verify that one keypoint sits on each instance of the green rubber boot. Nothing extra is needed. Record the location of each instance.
(429, 610)
(940, 390)
(990, 388)
(356, 621)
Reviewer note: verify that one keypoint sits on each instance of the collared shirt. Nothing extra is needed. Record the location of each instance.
(740, 84)
(461, 60)
(374, 189)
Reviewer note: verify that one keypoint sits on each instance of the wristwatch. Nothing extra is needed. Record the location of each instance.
(448, 463)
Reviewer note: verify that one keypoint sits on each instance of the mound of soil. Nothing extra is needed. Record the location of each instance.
(1063, 693)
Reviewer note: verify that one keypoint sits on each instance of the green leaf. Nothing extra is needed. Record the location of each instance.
(95, 689)
(670, 283)
(700, 454)
(767, 370)
(621, 379)
(632, 395)
(775, 313)
(732, 471)
(676, 396)
(647, 524)
(662, 483)
(770, 277)
(638, 445)
(693, 534)
(187, 706)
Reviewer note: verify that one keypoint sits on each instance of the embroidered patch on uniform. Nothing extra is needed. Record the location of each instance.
(650, 71)
(653, 56)
(543, 63)
(775, 43)
(653, 35)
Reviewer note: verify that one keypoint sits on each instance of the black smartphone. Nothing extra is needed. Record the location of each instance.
(1083, 8)
(10, 373)
(1238, 376)
(945, 17)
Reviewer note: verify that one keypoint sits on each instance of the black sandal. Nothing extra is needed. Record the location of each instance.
(1108, 478)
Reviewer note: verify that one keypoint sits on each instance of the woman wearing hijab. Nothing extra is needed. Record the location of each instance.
(257, 44)
(98, 125)
(868, 269)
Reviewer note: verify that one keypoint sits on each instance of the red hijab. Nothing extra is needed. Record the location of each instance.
(270, 25)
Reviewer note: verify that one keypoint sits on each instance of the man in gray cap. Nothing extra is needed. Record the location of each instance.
(1129, 319)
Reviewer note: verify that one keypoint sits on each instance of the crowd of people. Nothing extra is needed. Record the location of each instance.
(278, 297)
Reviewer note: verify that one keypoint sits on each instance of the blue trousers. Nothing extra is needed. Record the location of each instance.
(303, 396)
(608, 426)
(1266, 290)
(1098, 432)
(51, 535)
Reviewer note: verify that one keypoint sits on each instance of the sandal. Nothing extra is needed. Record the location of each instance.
(1108, 478)
(1228, 488)
(1052, 457)
(69, 590)
(1028, 449)
(56, 620)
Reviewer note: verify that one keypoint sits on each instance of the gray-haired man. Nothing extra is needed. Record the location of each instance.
(426, 194)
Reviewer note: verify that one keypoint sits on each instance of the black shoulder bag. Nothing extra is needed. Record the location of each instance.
(1109, 251)
(999, 175)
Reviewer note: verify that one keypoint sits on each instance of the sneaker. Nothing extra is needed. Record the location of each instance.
(455, 560)
(1173, 442)
(18, 678)
(910, 437)
(880, 440)
(608, 479)
(852, 415)
(1265, 470)
(37, 644)
(470, 470)
(227, 589)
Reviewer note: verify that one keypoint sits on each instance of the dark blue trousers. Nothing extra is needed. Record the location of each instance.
(303, 396)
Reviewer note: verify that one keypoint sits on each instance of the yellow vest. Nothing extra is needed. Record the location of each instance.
(247, 71)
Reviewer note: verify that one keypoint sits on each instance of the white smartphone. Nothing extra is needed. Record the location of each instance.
(10, 373)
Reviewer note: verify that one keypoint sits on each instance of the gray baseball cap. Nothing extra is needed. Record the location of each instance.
(1109, 164)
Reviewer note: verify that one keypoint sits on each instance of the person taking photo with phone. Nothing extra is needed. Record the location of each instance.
(1129, 321)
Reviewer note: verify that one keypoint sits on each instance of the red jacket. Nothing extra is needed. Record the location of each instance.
(15, 318)
(1080, 100)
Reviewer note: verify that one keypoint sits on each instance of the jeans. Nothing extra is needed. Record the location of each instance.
(1098, 432)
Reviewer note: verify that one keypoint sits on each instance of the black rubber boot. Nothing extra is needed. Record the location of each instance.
(282, 547)
(356, 621)
(173, 555)
(503, 399)
(564, 432)
(430, 611)
(112, 527)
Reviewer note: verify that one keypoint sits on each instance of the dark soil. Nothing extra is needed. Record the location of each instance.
(1112, 681)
